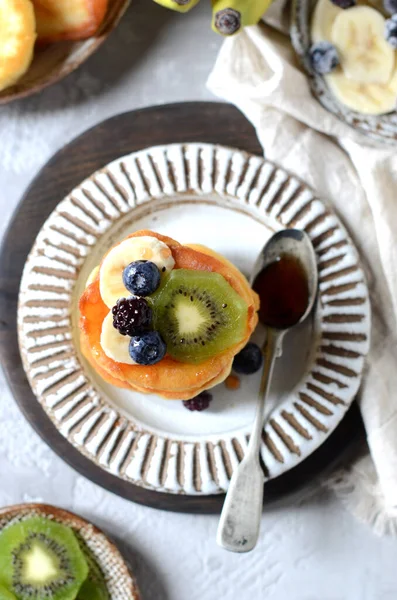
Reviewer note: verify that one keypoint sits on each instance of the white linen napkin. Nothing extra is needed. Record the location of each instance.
(258, 72)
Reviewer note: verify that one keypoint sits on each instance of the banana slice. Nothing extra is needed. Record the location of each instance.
(145, 247)
(115, 345)
(366, 98)
(365, 56)
(323, 19)
(325, 13)
(17, 38)
(92, 276)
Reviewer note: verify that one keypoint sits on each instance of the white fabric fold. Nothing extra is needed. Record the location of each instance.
(258, 71)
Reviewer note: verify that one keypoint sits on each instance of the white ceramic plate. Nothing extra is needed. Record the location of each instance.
(232, 202)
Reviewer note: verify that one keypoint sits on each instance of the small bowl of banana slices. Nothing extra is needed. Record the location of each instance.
(42, 41)
(349, 50)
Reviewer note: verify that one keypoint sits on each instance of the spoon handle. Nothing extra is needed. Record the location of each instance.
(271, 351)
(239, 524)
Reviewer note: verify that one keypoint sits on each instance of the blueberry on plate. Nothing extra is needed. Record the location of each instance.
(141, 277)
(132, 316)
(148, 348)
(390, 6)
(248, 360)
(323, 57)
(199, 402)
(391, 31)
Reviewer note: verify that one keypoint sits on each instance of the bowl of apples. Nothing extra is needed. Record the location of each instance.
(42, 41)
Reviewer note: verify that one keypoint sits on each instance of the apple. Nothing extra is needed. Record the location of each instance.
(68, 19)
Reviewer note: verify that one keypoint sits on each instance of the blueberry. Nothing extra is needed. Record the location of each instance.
(391, 31)
(248, 360)
(390, 6)
(141, 277)
(323, 57)
(344, 3)
(148, 348)
(200, 402)
(132, 316)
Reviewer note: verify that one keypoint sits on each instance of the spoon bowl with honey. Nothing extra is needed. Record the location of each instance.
(285, 276)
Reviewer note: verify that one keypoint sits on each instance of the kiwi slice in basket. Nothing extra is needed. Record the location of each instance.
(41, 560)
(94, 587)
(5, 594)
(198, 314)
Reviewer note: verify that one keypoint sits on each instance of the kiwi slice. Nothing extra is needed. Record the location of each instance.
(5, 594)
(198, 314)
(94, 587)
(41, 560)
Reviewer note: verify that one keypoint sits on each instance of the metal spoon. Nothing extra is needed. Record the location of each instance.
(239, 524)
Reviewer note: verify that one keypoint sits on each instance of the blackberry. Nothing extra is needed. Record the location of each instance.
(200, 402)
(132, 316)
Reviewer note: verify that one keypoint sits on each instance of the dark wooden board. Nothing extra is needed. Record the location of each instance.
(186, 122)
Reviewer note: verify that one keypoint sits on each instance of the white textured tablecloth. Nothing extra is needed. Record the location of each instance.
(257, 70)
(305, 550)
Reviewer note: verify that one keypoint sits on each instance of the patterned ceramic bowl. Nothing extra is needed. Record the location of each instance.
(120, 583)
(54, 62)
(380, 128)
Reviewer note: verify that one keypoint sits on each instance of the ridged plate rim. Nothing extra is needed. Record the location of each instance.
(247, 182)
